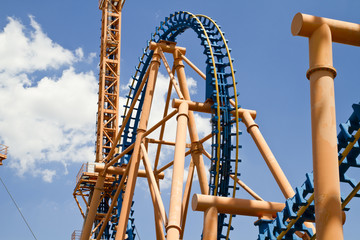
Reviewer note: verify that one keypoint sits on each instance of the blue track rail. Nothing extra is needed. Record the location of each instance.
(219, 81)
(271, 229)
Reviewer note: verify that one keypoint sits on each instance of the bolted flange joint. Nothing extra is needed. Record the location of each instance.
(196, 147)
(321, 68)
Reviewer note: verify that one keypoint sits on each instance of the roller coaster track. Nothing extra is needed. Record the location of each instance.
(300, 208)
(224, 157)
(219, 79)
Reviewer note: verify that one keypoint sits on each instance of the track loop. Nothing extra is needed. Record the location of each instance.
(220, 79)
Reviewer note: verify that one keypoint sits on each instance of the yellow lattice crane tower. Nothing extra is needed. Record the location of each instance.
(107, 119)
(108, 105)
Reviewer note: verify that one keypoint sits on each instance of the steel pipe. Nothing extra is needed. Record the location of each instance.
(91, 212)
(268, 156)
(167, 46)
(247, 188)
(342, 32)
(210, 224)
(121, 171)
(135, 158)
(116, 195)
(152, 180)
(193, 106)
(186, 197)
(196, 156)
(173, 228)
(321, 33)
(236, 206)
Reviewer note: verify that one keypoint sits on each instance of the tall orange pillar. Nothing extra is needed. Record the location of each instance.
(328, 215)
(173, 228)
(135, 158)
(196, 155)
(210, 224)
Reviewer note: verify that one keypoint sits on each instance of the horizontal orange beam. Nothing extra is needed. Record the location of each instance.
(121, 171)
(206, 107)
(341, 32)
(193, 106)
(167, 46)
(236, 206)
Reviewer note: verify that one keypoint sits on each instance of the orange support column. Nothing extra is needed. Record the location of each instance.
(173, 228)
(94, 203)
(328, 215)
(135, 159)
(210, 224)
(186, 197)
(196, 155)
(323, 122)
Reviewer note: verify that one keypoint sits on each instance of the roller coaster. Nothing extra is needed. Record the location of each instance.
(316, 209)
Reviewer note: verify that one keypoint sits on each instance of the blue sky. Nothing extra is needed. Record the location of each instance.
(48, 90)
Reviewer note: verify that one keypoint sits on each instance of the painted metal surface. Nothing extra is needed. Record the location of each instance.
(169, 30)
(290, 220)
(321, 33)
(109, 78)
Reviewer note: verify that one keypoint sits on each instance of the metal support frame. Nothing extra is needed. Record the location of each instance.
(196, 155)
(135, 160)
(321, 33)
(109, 78)
(178, 204)
(173, 229)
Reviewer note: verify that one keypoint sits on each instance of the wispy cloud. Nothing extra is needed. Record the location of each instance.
(47, 121)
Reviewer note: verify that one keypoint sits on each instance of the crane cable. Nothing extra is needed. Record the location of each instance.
(27, 224)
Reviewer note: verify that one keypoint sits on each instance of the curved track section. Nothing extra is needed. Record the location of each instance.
(220, 80)
(300, 208)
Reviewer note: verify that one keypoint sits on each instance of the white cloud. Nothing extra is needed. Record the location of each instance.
(91, 57)
(79, 53)
(23, 51)
(47, 121)
(48, 175)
